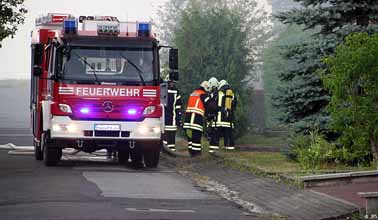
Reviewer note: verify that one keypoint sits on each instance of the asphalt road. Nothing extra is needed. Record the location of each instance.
(89, 187)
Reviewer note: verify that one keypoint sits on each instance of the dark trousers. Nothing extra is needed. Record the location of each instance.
(214, 136)
(194, 141)
(218, 133)
(170, 139)
(228, 138)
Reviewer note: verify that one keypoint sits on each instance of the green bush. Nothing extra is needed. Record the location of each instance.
(353, 83)
(314, 150)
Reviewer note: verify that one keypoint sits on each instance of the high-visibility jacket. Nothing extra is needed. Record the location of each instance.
(195, 103)
(226, 105)
(195, 110)
(173, 110)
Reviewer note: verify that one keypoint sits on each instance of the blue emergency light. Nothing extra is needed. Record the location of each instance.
(70, 26)
(144, 29)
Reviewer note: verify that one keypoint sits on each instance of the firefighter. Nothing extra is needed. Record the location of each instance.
(173, 115)
(211, 114)
(194, 116)
(225, 117)
(214, 83)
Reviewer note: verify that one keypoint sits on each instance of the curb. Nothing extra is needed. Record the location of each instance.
(262, 172)
(339, 178)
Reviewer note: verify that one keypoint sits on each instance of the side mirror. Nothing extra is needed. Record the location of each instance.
(37, 70)
(173, 59)
(173, 75)
(173, 64)
(37, 54)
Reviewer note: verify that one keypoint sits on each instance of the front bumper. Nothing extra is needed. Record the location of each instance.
(63, 127)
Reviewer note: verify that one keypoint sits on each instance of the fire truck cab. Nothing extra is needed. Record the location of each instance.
(95, 84)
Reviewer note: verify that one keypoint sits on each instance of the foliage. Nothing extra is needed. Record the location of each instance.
(353, 82)
(212, 42)
(313, 150)
(216, 38)
(11, 14)
(273, 64)
(302, 97)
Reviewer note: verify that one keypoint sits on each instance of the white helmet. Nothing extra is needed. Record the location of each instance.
(213, 83)
(222, 83)
(206, 86)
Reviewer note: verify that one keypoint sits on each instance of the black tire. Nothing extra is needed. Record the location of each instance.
(51, 155)
(136, 157)
(38, 153)
(151, 155)
(123, 156)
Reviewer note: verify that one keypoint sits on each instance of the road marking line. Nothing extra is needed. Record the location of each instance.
(160, 210)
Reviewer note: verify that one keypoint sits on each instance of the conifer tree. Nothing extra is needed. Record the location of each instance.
(302, 96)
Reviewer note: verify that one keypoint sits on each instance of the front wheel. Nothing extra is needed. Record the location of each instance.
(136, 156)
(51, 154)
(123, 155)
(151, 153)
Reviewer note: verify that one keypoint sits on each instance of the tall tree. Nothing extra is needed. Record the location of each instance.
(302, 97)
(11, 14)
(353, 81)
(274, 63)
(213, 42)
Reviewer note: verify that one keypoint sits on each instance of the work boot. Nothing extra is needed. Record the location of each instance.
(228, 148)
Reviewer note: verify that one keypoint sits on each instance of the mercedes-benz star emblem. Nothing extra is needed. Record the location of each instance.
(108, 106)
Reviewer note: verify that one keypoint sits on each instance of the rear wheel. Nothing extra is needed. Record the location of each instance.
(51, 154)
(38, 153)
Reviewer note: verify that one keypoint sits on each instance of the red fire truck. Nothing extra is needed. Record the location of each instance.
(95, 84)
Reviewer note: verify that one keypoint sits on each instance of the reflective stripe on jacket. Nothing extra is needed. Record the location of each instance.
(195, 104)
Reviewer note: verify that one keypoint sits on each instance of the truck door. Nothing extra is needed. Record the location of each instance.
(36, 70)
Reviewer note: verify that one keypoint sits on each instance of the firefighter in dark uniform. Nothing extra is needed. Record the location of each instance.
(173, 115)
(211, 114)
(194, 118)
(225, 117)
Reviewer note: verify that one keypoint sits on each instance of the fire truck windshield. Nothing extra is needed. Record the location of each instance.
(113, 65)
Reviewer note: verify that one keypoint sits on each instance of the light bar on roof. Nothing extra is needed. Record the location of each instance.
(108, 28)
(70, 26)
(144, 29)
(52, 19)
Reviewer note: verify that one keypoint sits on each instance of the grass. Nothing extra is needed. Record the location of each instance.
(275, 162)
(262, 140)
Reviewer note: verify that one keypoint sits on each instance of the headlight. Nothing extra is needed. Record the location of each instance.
(143, 129)
(71, 128)
(156, 130)
(65, 108)
(149, 110)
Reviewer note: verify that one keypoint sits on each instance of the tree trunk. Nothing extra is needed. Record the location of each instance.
(374, 147)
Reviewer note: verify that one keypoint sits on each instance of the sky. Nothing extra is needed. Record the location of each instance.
(15, 53)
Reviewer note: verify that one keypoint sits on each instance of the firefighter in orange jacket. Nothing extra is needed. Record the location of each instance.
(194, 117)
